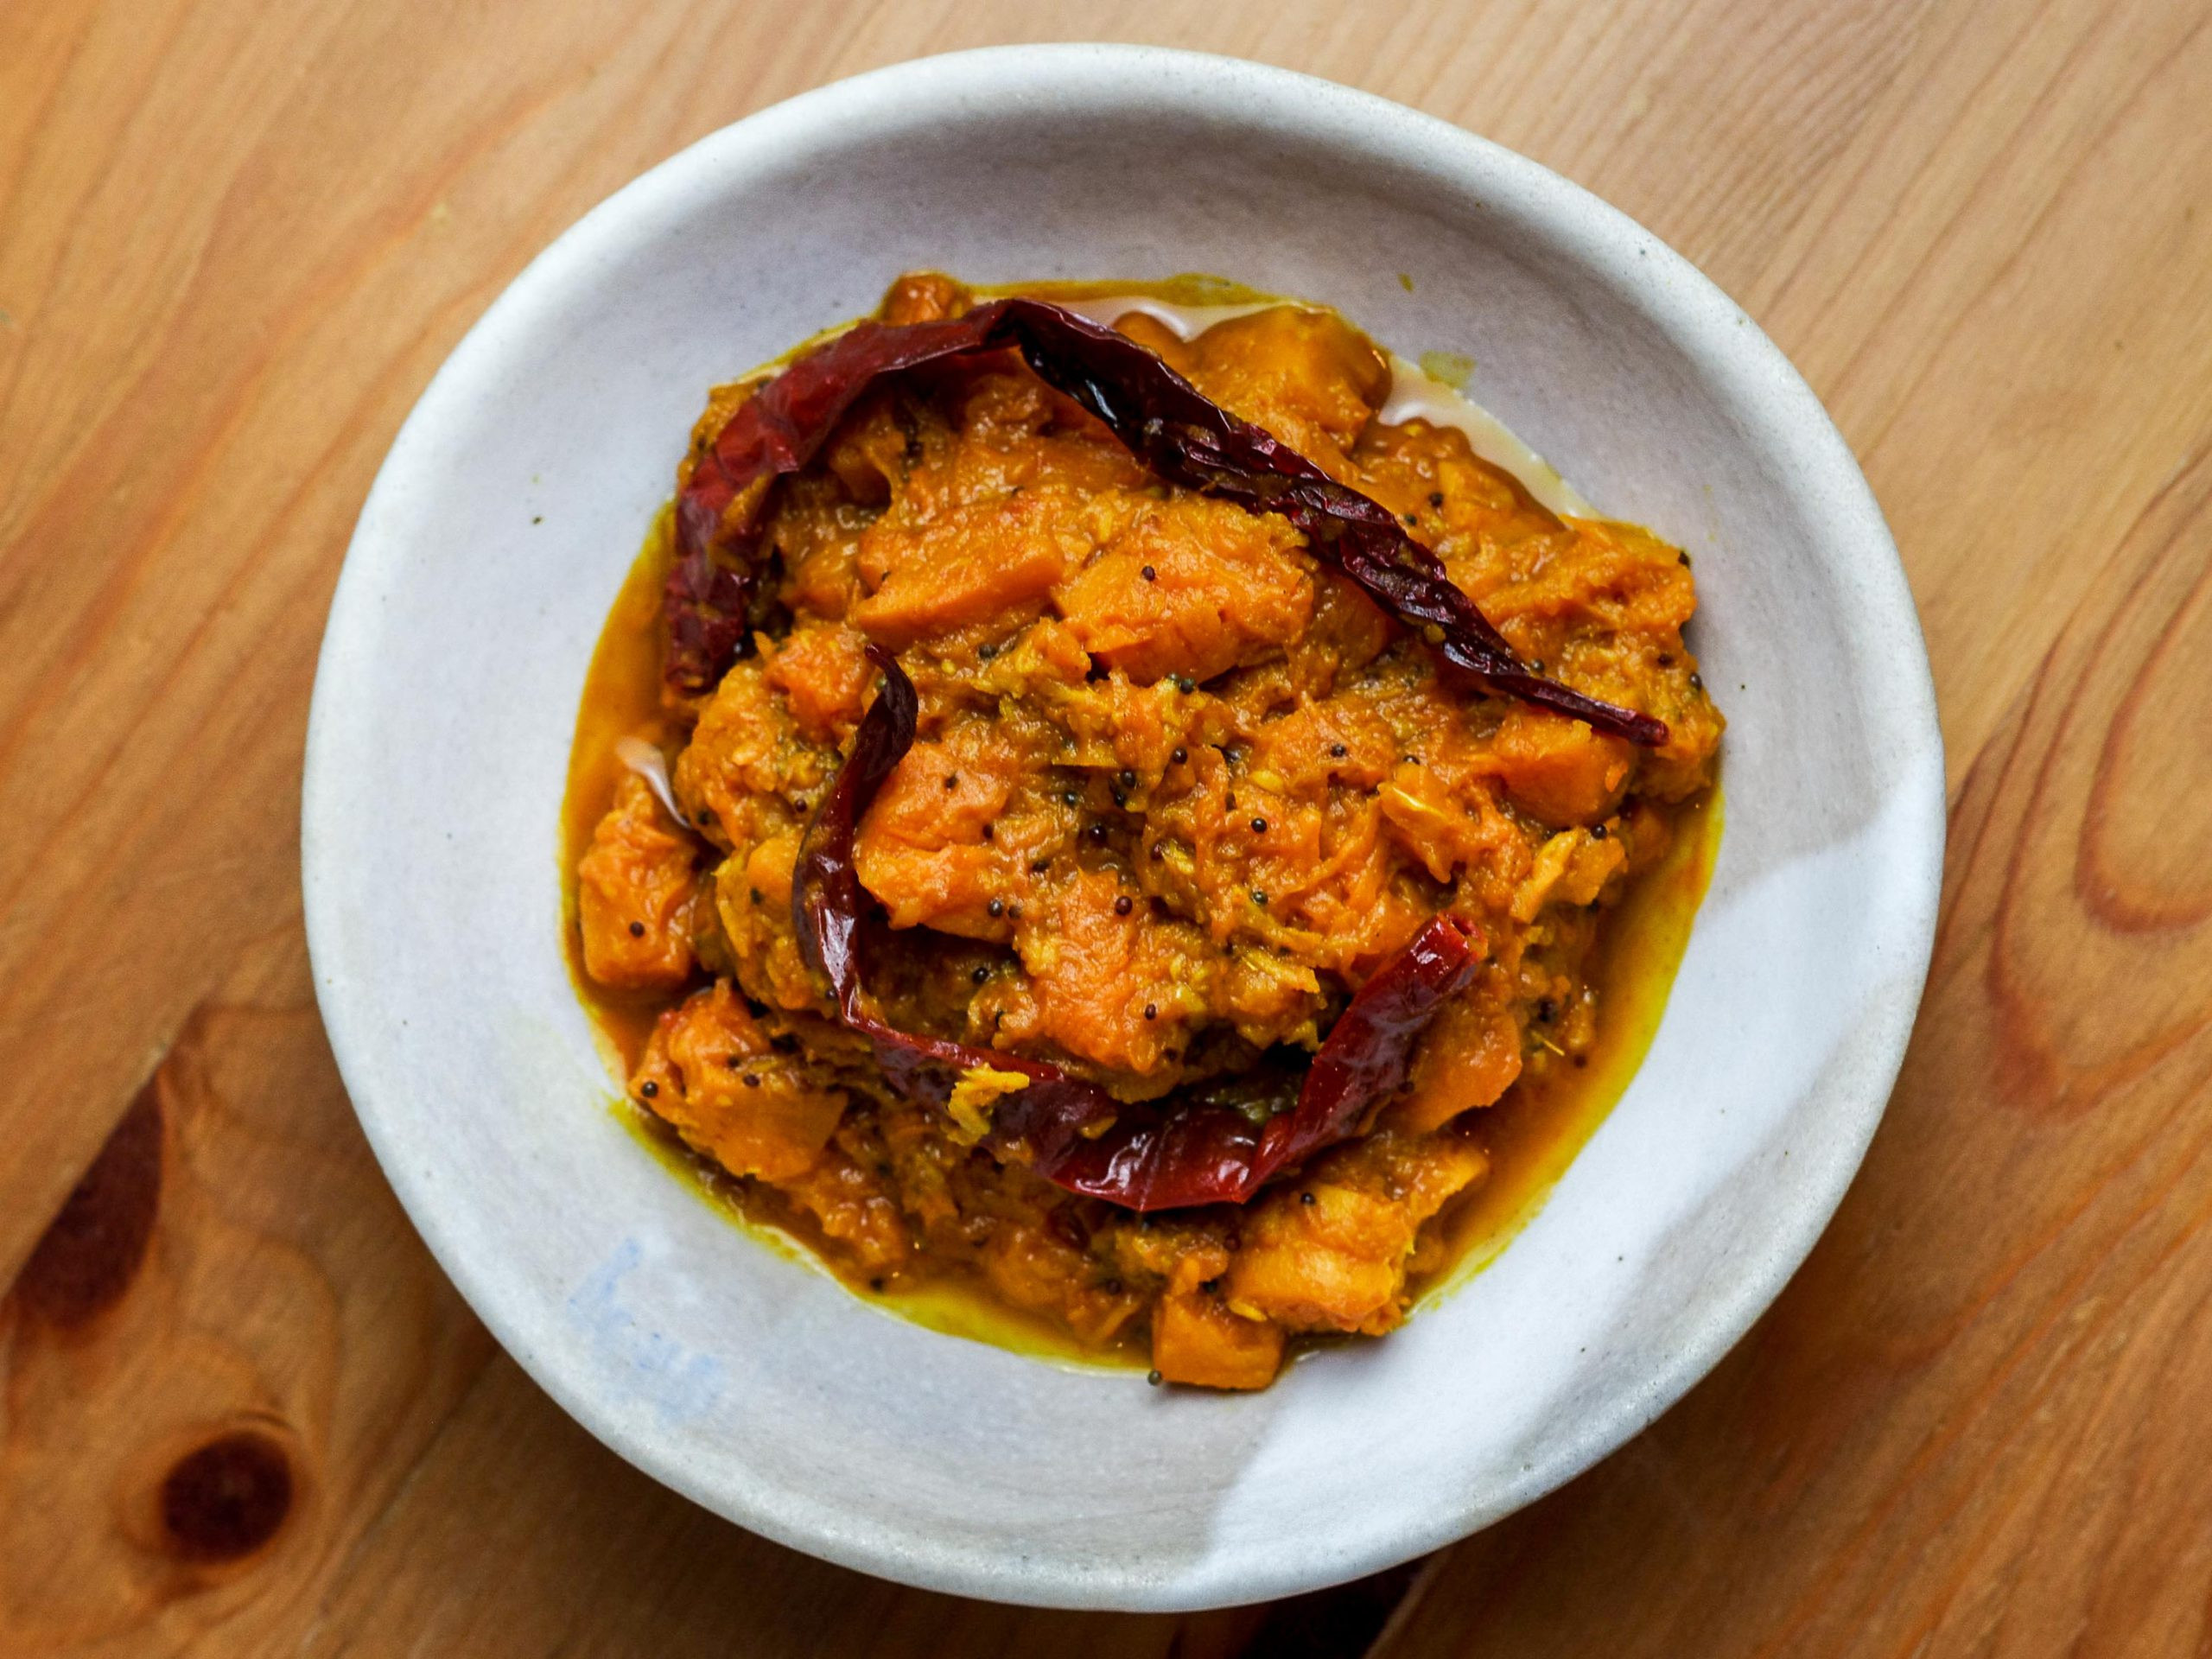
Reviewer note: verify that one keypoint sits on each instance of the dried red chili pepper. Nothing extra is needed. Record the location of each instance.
(828, 903)
(775, 431)
(1157, 1156)
(1174, 428)
(1151, 1159)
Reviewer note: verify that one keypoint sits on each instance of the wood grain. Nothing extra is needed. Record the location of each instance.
(242, 1412)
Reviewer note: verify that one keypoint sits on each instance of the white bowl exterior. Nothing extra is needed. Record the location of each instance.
(482, 570)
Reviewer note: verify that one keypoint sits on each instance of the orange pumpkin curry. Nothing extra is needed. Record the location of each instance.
(1156, 976)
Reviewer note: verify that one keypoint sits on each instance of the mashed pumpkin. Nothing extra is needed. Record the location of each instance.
(1179, 788)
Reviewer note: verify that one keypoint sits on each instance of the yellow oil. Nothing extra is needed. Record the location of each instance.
(622, 698)
(1534, 1132)
(1194, 288)
(956, 1304)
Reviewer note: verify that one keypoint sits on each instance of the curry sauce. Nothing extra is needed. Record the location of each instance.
(1179, 791)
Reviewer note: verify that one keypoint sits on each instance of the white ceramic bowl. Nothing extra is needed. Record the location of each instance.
(481, 571)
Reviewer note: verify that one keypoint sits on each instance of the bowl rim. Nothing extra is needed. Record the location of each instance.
(1249, 93)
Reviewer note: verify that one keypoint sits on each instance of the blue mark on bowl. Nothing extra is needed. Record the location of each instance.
(677, 1382)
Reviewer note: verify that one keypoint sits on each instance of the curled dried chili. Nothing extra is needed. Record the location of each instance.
(1154, 1155)
(1175, 429)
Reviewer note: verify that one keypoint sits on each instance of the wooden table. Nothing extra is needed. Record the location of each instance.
(245, 1413)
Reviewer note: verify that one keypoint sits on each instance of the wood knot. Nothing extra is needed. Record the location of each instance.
(227, 1499)
(92, 1250)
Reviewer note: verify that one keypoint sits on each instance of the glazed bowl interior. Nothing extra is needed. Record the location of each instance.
(482, 572)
